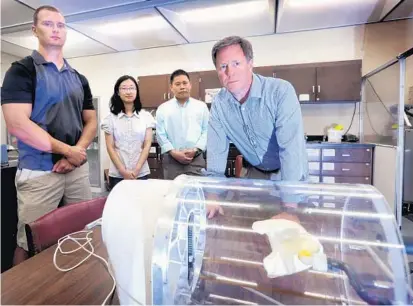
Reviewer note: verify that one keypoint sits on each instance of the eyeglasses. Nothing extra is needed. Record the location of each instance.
(127, 89)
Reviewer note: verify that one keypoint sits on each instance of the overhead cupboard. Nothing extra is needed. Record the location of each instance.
(329, 82)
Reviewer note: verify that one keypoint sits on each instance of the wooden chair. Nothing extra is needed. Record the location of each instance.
(46, 231)
(238, 165)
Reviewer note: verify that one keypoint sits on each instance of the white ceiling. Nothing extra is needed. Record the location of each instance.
(404, 10)
(69, 7)
(299, 15)
(211, 20)
(103, 26)
(13, 49)
(76, 45)
(14, 13)
(134, 30)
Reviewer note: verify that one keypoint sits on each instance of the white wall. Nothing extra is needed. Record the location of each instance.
(6, 60)
(302, 47)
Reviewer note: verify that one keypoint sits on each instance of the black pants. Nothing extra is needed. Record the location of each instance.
(114, 180)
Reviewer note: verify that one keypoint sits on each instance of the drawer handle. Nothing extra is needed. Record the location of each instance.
(367, 178)
(345, 155)
(345, 169)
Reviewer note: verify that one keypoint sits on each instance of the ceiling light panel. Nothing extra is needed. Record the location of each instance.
(15, 50)
(404, 10)
(69, 7)
(213, 20)
(76, 44)
(129, 31)
(298, 15)
(14, 13)
(388, 6)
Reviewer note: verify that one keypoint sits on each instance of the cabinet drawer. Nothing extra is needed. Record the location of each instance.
(314, 179)
(154, 163)
(347, 179)
(346, 169)
(347, 155)
(156, 173)
(313, 154)
(314, 168)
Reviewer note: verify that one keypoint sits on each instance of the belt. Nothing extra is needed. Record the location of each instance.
(246, 164)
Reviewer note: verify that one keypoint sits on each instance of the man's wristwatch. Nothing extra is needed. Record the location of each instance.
(197, 152)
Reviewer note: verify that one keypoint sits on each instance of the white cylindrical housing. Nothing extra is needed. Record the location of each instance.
(356, 254)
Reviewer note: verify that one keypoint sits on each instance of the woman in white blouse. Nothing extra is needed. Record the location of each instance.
(128, 133)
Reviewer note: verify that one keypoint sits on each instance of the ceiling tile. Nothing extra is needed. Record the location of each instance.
(389, 5)
(14, 13)
(404, 10)
(298, 15)
(69, 7)
(14, 49)
(135, 30)
(213, 20)
(76, 44)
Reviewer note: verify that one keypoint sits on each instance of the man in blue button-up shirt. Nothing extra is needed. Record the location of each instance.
(260, 115)
(181, 129)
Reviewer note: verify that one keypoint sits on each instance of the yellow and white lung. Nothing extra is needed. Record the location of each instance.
(293, 248)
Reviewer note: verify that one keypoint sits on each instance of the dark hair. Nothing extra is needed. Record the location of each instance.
(230, 41)
(116, 103)
(178, 73)
(41, 8)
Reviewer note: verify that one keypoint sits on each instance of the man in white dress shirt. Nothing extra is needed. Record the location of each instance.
(181, 129)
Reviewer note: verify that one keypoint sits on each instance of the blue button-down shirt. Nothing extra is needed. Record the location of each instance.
(267, 129)
(182, 126)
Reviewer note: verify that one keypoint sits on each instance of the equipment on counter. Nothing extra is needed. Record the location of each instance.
(163, 249)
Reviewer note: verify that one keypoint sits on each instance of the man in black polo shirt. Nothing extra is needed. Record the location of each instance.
(48, 106)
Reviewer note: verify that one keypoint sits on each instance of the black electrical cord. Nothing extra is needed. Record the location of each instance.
(352, 118)
(378, 97)
(355, 283)
(367, 109)
(371, 124)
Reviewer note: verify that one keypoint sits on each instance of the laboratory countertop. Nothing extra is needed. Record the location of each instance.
(381, 140)
(320, 144)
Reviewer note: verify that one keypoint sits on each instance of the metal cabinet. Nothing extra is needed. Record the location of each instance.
(340, 163)
(93, 153)
(155, 89)
(155, 162)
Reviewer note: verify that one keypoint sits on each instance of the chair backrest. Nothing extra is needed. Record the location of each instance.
(46, 231)
(238, 165)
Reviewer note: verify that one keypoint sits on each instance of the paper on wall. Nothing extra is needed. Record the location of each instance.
(210, 93)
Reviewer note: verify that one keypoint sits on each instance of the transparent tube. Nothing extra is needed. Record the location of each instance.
(220, 260)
